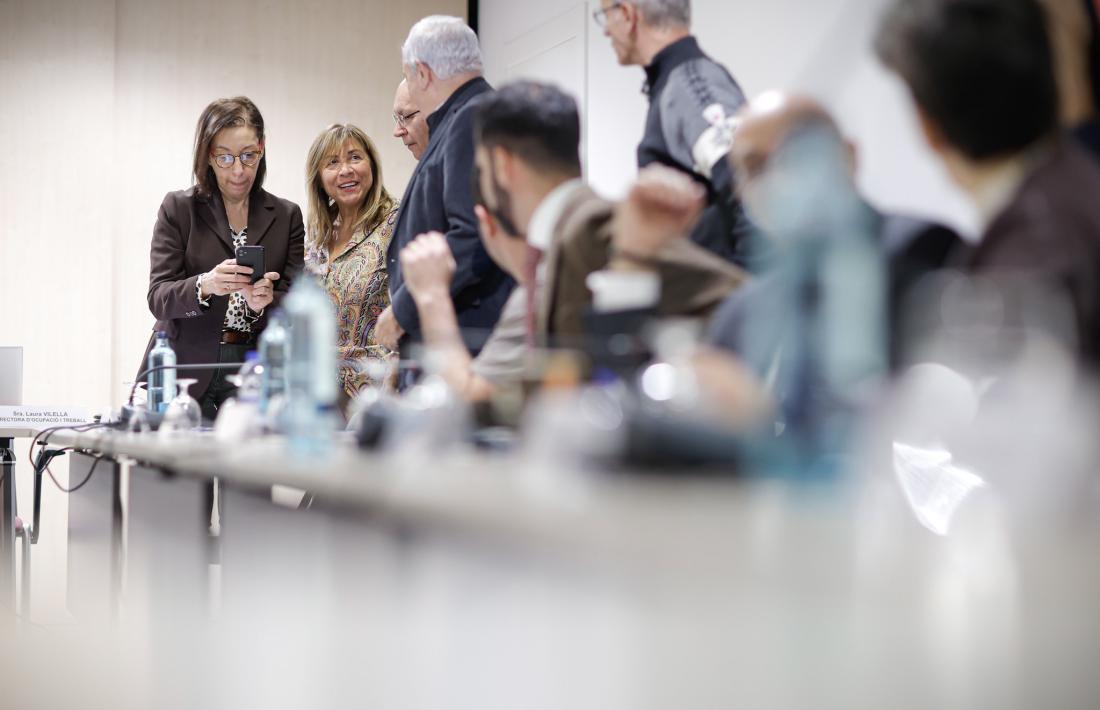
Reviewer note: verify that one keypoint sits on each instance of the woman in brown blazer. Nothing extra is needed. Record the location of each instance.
(199, 296)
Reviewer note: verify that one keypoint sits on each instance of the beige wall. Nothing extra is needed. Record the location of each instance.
(98, 103)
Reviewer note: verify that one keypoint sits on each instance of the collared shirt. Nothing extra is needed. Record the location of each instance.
(540, 231)
(503, 360)
(357, 282)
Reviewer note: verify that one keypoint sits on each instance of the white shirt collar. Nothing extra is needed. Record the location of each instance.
(1001, 184)
(540, 231)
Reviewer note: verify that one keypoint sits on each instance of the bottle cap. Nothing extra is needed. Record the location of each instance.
(252, 356)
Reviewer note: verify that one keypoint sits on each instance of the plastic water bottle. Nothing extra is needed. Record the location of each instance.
(162, 383)
(311, 370)
(274, 354)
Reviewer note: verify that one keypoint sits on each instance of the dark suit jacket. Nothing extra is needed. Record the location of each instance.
(191, 237)
(693, 280)
(439, 198)
(1047, 242)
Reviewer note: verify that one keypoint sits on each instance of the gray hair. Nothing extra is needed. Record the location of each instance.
(445, 44)
(663, 13)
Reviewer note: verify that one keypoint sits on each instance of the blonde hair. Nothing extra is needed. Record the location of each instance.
(322, 209)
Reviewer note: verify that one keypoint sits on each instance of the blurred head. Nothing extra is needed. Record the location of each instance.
(410, 123)
(344, 177)
(528, 137)
(980, 72)
(638, 28)
(229, 149)
(765, 125)
(438, 55)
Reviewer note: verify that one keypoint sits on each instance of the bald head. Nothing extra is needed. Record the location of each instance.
(767, 122)
(765, 126)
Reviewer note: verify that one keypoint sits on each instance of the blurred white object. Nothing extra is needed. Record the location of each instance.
(624, 290)
(238, 420)
(933, 485)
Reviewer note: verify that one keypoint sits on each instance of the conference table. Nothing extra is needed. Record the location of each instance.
(458, 577)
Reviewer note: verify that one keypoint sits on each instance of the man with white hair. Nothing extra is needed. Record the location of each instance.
(692, 104)
(442, 68)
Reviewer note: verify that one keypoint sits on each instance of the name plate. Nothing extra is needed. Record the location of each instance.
(38, 418)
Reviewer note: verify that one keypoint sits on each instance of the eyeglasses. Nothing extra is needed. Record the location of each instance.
(248, 158)
(600, 16)
(403, 121)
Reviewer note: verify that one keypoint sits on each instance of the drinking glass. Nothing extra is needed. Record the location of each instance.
(183, 413)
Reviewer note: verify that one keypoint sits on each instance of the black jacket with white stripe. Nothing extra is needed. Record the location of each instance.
(693, 101)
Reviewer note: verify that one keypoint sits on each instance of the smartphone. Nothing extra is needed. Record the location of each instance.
(252, 256)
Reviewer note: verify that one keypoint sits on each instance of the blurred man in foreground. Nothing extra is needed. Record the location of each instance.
(981, 74)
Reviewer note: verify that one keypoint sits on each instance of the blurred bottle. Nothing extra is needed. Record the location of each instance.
(162, 383)
(274, 355)
(309, 418)
(250, 379)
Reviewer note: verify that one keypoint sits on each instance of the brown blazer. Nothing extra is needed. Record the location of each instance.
(693, 281)
(1047, 242)
(191, 237)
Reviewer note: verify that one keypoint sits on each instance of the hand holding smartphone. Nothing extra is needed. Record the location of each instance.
(252, 256)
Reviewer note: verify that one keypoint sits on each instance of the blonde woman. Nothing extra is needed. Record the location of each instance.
(351, 218)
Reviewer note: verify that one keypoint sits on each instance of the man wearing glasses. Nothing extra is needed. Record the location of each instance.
(692, 104)
(442, 66)
(410, 124)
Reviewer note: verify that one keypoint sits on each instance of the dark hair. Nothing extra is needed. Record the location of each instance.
(225, 113)
(539, 123)
(981, 70)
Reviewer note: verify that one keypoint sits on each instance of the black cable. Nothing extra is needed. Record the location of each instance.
(41, 437)
(80, 485)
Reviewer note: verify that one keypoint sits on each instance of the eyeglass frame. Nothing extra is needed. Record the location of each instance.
(403, 121)
(600, 15)
(259, 156)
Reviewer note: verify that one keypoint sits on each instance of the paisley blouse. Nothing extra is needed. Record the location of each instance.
(358, 284)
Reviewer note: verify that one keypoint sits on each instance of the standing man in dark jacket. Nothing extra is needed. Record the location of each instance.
(692, 104)
(442, 68)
